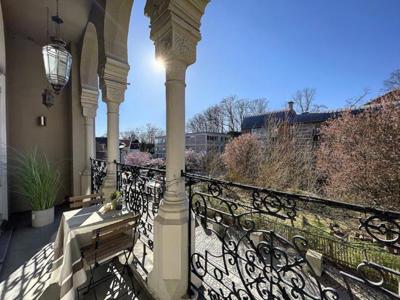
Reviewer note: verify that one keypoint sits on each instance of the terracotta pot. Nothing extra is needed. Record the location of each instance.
(42, 218)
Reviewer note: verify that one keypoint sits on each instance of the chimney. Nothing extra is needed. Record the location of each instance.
(290, 106)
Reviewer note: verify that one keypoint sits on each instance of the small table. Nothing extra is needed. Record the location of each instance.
(75, 232)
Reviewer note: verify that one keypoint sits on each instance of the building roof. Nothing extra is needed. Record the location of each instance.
(317, 117)
(258, 121)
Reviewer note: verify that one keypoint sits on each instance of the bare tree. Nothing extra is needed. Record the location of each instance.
(393, 82)
(304, 101)
(151, 132)
(215, 118)
(258, 106)
(145, 134)
(129, 134)
(241, 109)
(357, 100)
(226, 116)
(197, 123)
(228, 108)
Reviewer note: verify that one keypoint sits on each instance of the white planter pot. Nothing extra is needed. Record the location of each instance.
(42, 218)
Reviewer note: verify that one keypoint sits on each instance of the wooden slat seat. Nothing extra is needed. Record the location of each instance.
(85, 200)
(109, 240)
(109, 248)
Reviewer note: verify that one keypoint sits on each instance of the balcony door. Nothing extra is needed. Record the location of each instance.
(3, 152)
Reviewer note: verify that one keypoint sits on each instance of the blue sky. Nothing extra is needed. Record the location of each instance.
(268, 48)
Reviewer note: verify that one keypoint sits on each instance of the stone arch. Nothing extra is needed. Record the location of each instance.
(89, 58)
(116, 27)
(89, 97)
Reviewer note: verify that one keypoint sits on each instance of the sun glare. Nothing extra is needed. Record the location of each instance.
(159, 64)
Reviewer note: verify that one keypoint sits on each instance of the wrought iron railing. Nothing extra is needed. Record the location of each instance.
(142, 189)
(98, 170)
(238, 254)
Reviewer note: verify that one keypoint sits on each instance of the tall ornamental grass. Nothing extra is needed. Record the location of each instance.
(39, 182)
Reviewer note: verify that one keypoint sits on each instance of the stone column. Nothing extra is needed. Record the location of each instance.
(89, 108)
(168, 279)
(175, 129)
(113, 83)
(112, 145)
(175, 32)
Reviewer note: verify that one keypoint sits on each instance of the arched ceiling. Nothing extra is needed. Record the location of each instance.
(28, 18)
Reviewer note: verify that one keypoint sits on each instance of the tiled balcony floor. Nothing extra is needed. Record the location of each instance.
(26, 271)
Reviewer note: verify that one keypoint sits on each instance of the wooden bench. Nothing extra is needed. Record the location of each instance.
(85, 200)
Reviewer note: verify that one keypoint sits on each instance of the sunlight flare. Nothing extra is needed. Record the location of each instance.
(159, 64)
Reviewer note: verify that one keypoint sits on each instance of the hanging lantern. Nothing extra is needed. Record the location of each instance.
(57, 64)
(57, 60)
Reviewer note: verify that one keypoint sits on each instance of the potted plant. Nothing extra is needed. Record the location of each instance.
(39, 183)
(116, 200)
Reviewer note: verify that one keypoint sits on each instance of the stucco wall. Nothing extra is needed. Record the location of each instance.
(3, 133)
(2, 44)
(25, 83)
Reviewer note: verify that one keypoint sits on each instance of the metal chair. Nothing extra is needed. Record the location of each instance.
(85, 200)
(108, 243)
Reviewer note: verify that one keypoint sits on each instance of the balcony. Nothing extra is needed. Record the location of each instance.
(246, 243)
(198, 237)
(253, 243)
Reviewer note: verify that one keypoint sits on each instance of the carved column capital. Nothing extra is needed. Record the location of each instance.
(89, 102)
(113, 80)
(113, 107)
(175, 28)
(176, 45)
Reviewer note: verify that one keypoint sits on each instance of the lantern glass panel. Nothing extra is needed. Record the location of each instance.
(57, 63)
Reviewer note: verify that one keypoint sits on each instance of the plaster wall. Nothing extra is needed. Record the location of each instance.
(3, 130)
(25, 83)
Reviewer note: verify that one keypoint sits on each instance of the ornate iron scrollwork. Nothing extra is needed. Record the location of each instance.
(142, 190)
(235, 257)
(98, 173)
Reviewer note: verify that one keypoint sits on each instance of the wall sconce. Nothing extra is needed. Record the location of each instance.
(42, 121)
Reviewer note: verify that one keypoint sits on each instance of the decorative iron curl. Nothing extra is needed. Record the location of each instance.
(98, 170)
(273, 268)
(384, 229)
(142, 189)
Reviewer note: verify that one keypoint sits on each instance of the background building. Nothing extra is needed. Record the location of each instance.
(198, 142)
(307, 124)
(125, 146)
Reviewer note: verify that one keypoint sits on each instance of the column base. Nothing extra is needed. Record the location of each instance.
(169, 278)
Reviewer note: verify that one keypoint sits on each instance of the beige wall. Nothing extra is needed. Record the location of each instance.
(25, 83)
(2, 44)
(3, 132)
